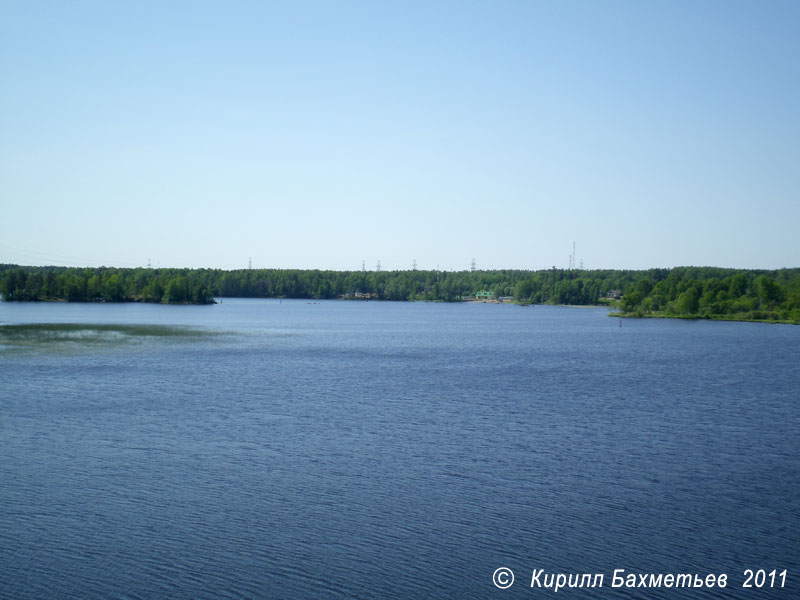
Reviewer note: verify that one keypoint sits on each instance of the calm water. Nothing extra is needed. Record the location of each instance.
(391, 450)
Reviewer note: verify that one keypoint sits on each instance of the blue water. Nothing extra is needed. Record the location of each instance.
(393, 450)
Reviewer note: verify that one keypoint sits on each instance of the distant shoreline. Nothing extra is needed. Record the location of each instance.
(771, 296)
(729, 318)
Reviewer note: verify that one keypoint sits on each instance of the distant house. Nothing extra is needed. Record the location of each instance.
(359, 296)
(614, 294)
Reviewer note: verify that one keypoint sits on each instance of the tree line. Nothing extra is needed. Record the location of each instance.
(684, 291)
(698, 292)
(172, 286)
(109, 284)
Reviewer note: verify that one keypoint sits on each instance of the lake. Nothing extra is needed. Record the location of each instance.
(334, 449)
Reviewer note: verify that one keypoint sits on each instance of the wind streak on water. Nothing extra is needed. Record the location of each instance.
(72, 337)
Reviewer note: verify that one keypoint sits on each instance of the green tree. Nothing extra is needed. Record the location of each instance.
(769, 292)
(631, 301)
(689, 301)
(176, 291)
(113, 289)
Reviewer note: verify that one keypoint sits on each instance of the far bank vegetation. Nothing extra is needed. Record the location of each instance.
(687, 292)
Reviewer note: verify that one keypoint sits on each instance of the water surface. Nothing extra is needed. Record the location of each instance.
(276, 449)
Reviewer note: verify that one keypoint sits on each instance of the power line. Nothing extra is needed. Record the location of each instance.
(64, 260)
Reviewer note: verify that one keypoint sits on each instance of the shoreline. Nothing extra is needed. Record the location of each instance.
(705, 318)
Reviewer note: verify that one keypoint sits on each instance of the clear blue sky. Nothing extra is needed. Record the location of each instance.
(321, 134)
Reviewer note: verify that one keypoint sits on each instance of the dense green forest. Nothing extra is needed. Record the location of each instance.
(692, 292)
(202, 285)
(697, 292)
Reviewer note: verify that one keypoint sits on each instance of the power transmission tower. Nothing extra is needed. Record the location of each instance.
(363, 266)
(250, 263)
(414, 265)
(378, 267)
(472, 267)
(149, 265)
